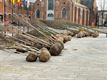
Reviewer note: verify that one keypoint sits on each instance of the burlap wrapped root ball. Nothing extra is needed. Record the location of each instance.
(67, 38)
(56, 48)
(44, 55)
(32, 57)
(75, 32)
(62, 44)
(95, 34)
(66, 32)
(81, 34)
(86, 33)
(60, 39)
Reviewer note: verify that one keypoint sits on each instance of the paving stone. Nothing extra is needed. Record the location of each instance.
(82, 59)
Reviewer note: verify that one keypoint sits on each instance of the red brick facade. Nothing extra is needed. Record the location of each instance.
(3, 10)
(19, 10)
(62, 9)
(1, 7)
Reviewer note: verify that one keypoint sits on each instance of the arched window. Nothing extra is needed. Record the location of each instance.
(50, 15)
(38, 13)
(50, 4)
(64, 12)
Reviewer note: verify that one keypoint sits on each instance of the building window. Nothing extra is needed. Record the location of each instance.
(1, 17)
(64, 12)
(50, 15)
(38, 13)
(50, 4)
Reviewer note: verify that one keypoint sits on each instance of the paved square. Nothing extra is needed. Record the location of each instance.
(82, 59)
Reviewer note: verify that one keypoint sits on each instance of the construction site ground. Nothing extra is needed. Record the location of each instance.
(81, 59)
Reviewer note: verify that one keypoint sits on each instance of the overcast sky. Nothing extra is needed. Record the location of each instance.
(31, 0)
(98, 3)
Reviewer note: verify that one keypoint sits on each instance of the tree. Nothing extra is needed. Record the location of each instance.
(102, 6)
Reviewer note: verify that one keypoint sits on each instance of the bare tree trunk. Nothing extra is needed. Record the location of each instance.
(102, 17)
(102, 9)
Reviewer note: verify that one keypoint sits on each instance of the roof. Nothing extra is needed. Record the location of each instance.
(78, 4)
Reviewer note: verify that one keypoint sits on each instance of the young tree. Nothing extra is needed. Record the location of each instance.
(102, 6)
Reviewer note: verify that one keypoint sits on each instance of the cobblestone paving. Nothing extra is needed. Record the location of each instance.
(82, 59)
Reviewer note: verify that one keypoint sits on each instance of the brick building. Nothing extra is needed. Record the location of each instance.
(4, 9)
(81, 12)
(9, 8)
(69, 10)
(91, 4)
(1, 10)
